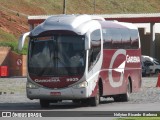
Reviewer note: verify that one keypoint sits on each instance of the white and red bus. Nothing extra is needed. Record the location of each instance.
(82, 58)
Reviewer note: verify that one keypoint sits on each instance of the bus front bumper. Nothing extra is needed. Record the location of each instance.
(69, 93)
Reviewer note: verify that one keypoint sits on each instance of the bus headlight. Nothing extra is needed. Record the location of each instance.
(31, 85)
(81, 85)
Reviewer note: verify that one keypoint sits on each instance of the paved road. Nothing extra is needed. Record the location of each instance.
(147, 99)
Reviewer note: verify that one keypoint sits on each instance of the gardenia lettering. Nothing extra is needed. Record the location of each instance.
(132, 59)
(47, 80)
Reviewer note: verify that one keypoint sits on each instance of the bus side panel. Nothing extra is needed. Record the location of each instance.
(107, 88)
(117, 68)
(106, 71)
(133, 69)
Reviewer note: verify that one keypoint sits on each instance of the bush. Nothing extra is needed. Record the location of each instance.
(14, 47)
(9, 40)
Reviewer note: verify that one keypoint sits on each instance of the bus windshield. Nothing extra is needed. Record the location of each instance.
(56, 55)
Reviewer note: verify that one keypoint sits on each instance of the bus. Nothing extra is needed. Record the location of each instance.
(82, 58)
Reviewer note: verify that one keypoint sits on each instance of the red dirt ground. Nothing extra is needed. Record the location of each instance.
(13, 23)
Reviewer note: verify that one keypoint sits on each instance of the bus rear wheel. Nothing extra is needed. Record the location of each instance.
(44, 103)
(126, 96)
(123, 97)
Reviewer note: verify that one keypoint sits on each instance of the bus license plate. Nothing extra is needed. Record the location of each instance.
(55, 93)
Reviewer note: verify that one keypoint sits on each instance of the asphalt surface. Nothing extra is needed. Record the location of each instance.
(13, 97)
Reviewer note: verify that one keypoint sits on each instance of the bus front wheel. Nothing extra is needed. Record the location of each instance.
(44, 103)
(94, 101)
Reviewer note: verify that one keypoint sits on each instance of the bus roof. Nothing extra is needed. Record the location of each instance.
(76, 23)
(116, 24)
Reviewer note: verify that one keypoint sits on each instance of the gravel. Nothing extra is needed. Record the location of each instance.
(12, 90)
(148, 93)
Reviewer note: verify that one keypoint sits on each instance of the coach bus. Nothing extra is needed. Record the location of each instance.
(82, 58)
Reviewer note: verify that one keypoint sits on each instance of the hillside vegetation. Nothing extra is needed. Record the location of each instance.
(13, 13)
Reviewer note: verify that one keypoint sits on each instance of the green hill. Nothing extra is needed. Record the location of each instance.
(82, 6)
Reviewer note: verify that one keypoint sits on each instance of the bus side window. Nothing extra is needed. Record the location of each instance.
(117, 38)
(112, 38)
(134, 39)
(94, 52)
(126, 39)
(107, 39)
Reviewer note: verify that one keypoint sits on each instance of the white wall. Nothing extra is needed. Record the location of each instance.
(147, 26)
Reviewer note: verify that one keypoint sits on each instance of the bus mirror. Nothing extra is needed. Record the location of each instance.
(22, 40)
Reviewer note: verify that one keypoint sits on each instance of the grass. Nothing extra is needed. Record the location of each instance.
(4, 36)
(14, 47)
(10, 40)
(83, 6)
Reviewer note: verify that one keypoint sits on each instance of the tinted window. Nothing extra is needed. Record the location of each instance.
(95, 47)
(126, 39)
(57, 55)
(112, 38)
(134, 39)
(120, 38)
(116, 38)
(107, 37)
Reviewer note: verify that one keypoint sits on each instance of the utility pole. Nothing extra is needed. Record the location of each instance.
(94, 6)
(64, 6)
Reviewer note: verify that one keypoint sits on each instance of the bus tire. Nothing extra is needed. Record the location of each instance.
(157, 71)
(84, 102)
(117, 98)
(94, 101)
(126, 96)
(123, 97)
(76, 101)
(44, 103)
